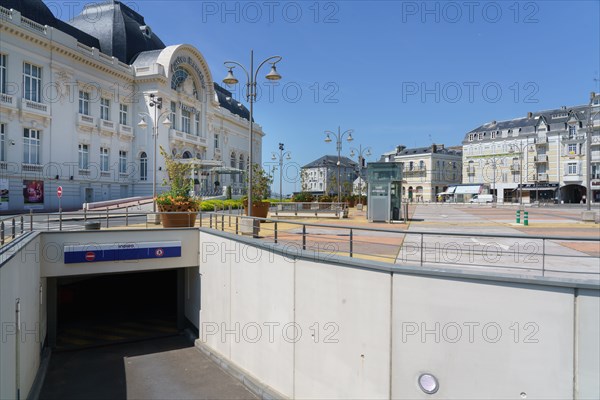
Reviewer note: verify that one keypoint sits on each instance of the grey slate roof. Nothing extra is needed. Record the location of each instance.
(121, 31)
(556, 119)
(37, 11)
(228, 102)
(438, 149)
(331, 161)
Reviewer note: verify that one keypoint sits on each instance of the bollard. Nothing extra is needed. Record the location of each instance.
(526, 218)
(518, 216)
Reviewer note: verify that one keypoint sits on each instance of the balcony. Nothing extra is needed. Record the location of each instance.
(542, 177)
(541, 158)
(125, 131)
(541, 140)
(7, 100)
(33, 107)
(106, 126)
(31, 167)
(471, 170)
(596, 139)
(515, 168)
(573, 138)
(86, 121)
(572, 178)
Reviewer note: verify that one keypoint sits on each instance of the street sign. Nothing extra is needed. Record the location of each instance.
(59, 192)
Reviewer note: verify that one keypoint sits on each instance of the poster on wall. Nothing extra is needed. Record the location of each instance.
(33, 194)
(3, 194)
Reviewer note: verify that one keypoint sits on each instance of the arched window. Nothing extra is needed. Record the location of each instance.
(179, 77)
(143, 167)
(187, 154)
(421, 165)
(233, 160)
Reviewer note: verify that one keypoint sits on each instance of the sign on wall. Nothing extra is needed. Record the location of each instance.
(120, 251)
(3, 194)
(33, 193)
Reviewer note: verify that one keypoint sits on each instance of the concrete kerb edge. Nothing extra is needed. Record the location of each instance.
(256, 387)
(40, 376)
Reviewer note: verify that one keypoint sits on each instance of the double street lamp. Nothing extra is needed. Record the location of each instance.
(251, 77)
(282, 154)
(339, 136)
(520, 147)
(155, 103)
(362, 153)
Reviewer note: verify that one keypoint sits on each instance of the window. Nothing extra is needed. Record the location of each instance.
(494, 134)
(197, 123)
(2, 73)
(2, 142)
(185, 121)
(143, 167)
(32, 82)
(122, 162)
(216, 140)
(31, 146)
(572, 168)
(105, 109)
(83, 156)
(232, 160)
(84, 103)
(241, 167)
(103, 159)
(471, 137)
(572, 148)
(572, 130)
(173, 115)
(123, 111)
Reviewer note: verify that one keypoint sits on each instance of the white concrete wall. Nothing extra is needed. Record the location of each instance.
(352, 332)
(20, 279)
(192, 295)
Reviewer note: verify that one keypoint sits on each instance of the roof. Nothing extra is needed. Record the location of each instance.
(435, 148)
(556, 119)
(331, 161)
(121, 31)
(39, 12)
(227, 101)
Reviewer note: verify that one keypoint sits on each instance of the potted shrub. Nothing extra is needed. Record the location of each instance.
(177, 199)
(261, 183)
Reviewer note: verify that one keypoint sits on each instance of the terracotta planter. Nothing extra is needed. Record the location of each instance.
(260, 209)
(177, 217)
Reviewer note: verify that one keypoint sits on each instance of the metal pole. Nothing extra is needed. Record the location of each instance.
(339, 150)
(251, 93)
(155, 129)
(280, 175)
(588, 150)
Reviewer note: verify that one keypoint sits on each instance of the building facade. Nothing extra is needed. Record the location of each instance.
(541, 157)
(426, 171)
(321, 175)
(72, 95)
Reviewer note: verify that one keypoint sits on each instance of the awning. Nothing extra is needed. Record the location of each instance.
(470, 189)
(448, 191)
(226, 170)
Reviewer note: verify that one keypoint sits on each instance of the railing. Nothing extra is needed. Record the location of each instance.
(298, 209)
(542, 177)
(558, 256)
(34, 25)
(86, 120)
(7, 99)
(34, 106)
(107, 125)
(521, 254)
(31, 167)
(541, 158)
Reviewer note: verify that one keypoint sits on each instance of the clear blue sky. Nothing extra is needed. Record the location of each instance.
(397, 72)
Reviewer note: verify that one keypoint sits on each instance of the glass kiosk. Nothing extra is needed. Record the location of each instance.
(385, 191)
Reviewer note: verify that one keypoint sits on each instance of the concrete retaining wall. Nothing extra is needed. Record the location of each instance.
(312, 328)
(20, 351)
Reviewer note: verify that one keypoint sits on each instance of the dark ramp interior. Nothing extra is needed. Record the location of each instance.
(115, 308)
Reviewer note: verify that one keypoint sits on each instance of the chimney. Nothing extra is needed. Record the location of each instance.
(529, 114)
(563, 107)
(494, 122)
(399, 148)
(433, 148)
(440, 146)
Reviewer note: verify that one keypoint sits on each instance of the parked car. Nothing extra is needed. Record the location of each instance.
(482, 198)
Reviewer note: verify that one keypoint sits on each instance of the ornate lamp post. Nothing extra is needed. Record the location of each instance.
(588, 150)
(280, 156)
(155, 103)
(521, 148)
(251, 77)
(339, 136)
(362, 153)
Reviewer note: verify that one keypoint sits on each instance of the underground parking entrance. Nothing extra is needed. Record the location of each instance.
(96, 310)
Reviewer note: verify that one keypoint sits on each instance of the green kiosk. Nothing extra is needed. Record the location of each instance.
(385, 191)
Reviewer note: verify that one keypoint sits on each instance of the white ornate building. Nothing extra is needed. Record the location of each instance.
(72, 95)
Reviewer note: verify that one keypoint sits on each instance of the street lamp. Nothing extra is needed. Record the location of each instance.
(339, 136)
(588, 149)
(281, 155)
(493, 161)
(156, 103)
(362, 153)
(251, 76)
(520, 147)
